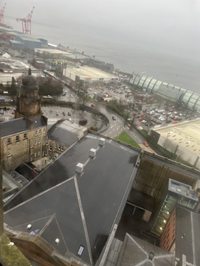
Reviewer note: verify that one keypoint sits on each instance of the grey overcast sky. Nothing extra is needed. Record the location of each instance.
(119, 30)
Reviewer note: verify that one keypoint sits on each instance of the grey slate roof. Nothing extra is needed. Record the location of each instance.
(135, 252)
(19, 125)
(188, 235)
(99, 194)
(63, 136)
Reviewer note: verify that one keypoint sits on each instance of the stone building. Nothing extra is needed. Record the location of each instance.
(21, 140)
(28, 101)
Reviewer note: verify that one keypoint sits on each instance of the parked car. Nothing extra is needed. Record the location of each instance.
(92, 105)
(144, 121)
(113, 118)
(69, 114)
(140, 118)
(145, 143)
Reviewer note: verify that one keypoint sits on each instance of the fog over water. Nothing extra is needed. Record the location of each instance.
(157, 37)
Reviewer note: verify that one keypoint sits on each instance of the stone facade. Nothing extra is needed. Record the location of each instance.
(23, 147)
(28, 101)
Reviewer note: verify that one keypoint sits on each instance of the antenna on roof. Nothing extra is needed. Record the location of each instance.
(29, 71)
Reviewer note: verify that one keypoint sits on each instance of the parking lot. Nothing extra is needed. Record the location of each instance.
(116, 91)
(153, 117)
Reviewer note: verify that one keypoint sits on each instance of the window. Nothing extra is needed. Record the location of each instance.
(50, 148)
(55, 145)
(61, 148)
(40, 131)
(39, 141)
(17, 138)
(9, 141)
(44, 130)
(36, 132)
(47, 142)
(9, 152)
(25, 135)
(35, 142)
(45, 153)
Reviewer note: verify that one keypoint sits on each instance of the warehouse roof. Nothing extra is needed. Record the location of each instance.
(187, 235)
(91, 72)
(82, 208)
(138, 252)
(185, 134)
(19, 125)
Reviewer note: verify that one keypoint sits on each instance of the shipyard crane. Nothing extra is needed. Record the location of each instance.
(26, 22)
(2, 14)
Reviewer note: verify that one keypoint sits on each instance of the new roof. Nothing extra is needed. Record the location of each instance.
(19, 125)
(79, 209)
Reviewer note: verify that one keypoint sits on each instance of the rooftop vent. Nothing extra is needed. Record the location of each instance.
(102, 142)
(92, 153)
(29, 226)
(57, 240)
(151, 256)
(79, 168)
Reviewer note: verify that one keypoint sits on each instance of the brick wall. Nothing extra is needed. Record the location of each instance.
(168, 236)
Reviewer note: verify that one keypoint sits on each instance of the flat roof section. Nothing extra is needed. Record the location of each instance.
(185, 134)
(90, 72)
(182, 189)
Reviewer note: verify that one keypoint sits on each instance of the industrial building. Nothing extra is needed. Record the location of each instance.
(19, 40)
(51, 53)
(181, 139)
(185, 97)
(75, 57)
(89, 74)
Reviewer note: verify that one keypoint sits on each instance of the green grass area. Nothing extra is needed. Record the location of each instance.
(11, 254)
(125, 138)
(60, 62)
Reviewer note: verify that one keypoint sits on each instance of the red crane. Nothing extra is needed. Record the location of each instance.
(2, 14)
(26, 22)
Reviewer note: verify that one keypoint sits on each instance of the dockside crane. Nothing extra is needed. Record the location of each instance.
(2, 14)
(26, 22)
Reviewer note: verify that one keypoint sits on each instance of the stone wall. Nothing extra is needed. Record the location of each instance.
(23, 147)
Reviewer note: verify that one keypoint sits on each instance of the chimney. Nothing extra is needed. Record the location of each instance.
(92, 153)
(79, 168)
(102, 142)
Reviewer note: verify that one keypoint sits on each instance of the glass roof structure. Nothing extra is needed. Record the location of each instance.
(188, 98)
